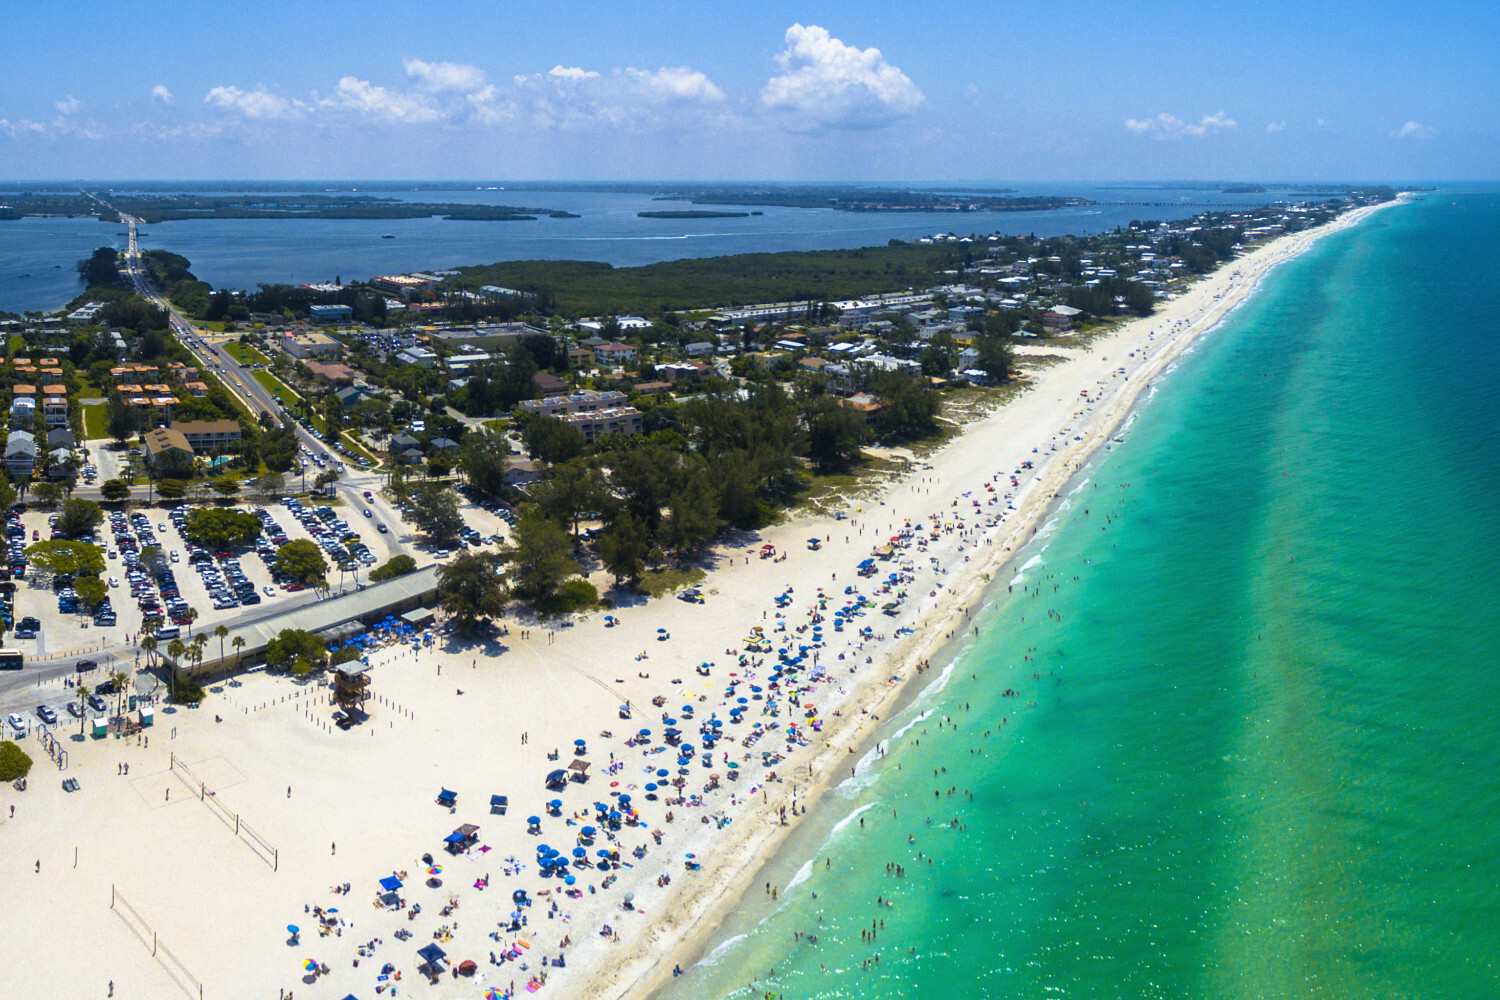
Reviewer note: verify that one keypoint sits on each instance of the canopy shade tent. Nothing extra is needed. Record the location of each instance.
(447, 798)
(579, 766)
(557, 778)
(390, 883)
(499, 803)
(432, 955)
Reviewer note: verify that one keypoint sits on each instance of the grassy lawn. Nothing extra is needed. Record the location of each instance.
(95, 421)
(354, 446)
(277, 388)
(245, 355)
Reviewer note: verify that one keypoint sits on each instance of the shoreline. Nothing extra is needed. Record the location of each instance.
(707, 919)
(363, 801)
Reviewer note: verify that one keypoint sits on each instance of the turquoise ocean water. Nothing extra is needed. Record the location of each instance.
(1258, 753)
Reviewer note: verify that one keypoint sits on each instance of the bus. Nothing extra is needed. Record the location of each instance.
(11, 659)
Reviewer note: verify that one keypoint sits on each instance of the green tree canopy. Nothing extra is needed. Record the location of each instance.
(540, 555)
(623, 547)
(302, 560)
(219, 528)
(79, 518)
(226, 485)
(293, 644)
(470, 589)
(435, 511)
(114, 490)
(549, 440)
(67, 558)
(171, 489)
(397, 565)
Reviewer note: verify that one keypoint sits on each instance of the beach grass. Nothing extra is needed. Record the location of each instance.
(95, 421)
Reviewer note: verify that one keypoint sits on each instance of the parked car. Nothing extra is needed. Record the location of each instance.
(98, 704)
(16, 722)
(46, 714)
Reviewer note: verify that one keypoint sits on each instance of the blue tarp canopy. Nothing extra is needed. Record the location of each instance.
(454, 838)
(390, 883)
(447, 796)
(431, 954)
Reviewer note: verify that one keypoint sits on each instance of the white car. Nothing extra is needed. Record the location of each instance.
(16, 722)
(268, 590)
(113, 582)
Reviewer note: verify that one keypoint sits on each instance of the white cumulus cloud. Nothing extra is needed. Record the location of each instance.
(1413, 130)
(67, 106)
(161, 93)
(1275, 126)
(831, 83)
(675, 84)
(1165, 126)
(257, 103)
(561, 72)
(381, 102)
(445, 77)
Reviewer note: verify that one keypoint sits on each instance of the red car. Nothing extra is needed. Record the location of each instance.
(295, 587)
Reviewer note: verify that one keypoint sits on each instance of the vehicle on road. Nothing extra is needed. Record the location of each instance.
(382, 529)
(98, 704)
(46, 714)
(84, 666)
(268, 590)
(114, 581)
(367, 512)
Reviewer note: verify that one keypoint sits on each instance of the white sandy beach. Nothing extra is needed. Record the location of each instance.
(354, 807)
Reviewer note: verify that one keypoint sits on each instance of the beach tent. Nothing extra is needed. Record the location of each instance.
(447, 798)
(432, 956)
(499, 803)
(390, 883)
(580, 769)
(557, 779)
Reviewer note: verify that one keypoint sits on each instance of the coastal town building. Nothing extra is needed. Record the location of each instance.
(162, 440)
(583, 401)
(310, 345)
(20, 454)
(206, 435)
(331, 313)
(625, 420)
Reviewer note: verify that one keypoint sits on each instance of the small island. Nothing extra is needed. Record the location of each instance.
(693, 214)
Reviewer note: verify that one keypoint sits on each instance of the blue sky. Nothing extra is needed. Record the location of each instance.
(654, 89)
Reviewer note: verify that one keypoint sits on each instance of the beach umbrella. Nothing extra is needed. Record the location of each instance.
(661, 772)
(588, 831)
(579, 852)
(670, 722)
(602, 853)
(534, 820)
(555, 804)
(650, 786)
(743, 701)
(293, 929)
(311, 965)
(644, 732)
(624, 797)
(661, 631)
(569, 880)
(435, 870)
(542, 848)
(580, 743)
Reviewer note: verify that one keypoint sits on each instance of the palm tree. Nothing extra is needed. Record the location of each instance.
(175, 649)
(238, 644)
(83, 700)
(195, 650)
(149, 645)
(192, 616)
(221, 632)
(119, 679)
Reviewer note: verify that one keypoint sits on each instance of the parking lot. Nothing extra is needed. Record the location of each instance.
(217, 585)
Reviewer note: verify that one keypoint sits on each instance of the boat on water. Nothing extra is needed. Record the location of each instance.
(388, 236)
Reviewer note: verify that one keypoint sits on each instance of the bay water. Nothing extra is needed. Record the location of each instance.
(37, 256)
(1252, 749)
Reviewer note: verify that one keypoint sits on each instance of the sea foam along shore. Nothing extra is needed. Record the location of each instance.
(1065, 434)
